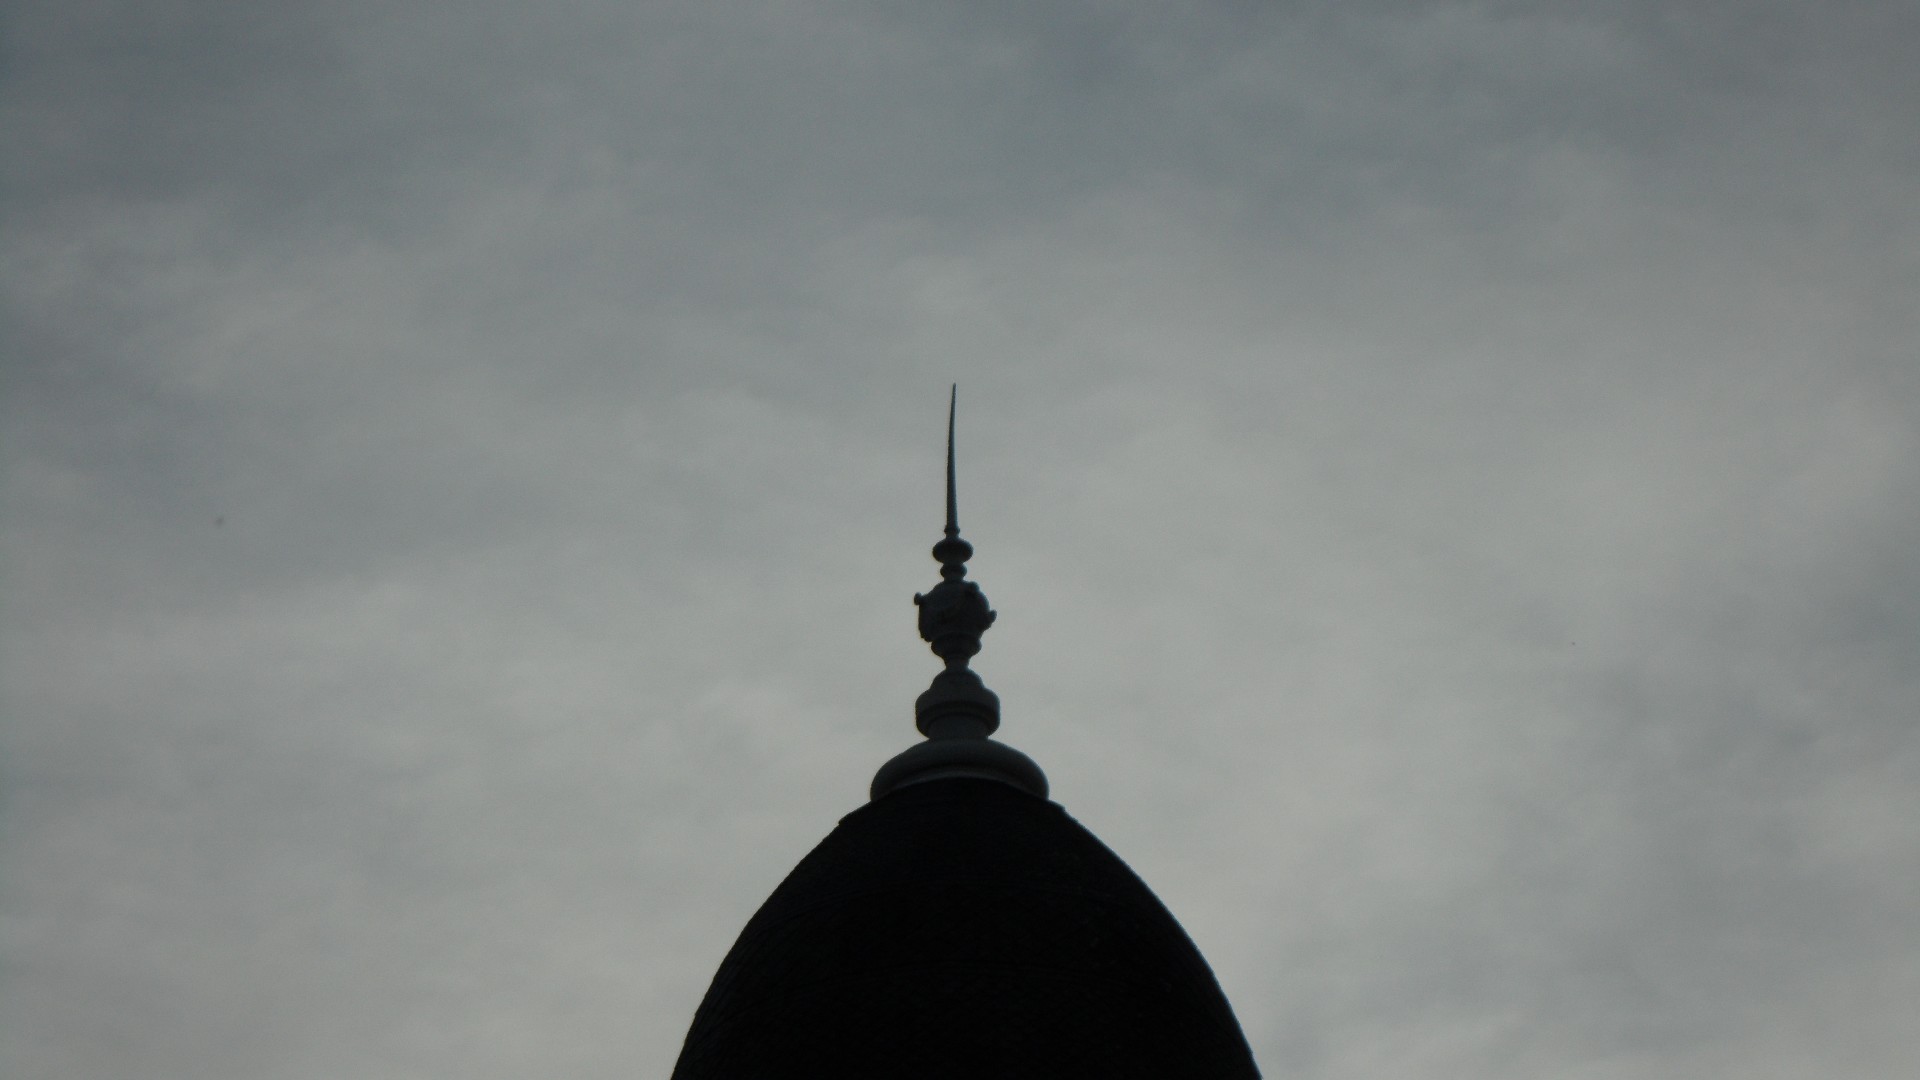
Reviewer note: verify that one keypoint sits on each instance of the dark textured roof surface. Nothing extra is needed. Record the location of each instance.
(962, 928)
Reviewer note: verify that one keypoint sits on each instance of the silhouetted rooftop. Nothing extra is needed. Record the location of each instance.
(963, 928)
(960, 925)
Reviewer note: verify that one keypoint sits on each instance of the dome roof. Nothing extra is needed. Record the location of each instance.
(962, 927)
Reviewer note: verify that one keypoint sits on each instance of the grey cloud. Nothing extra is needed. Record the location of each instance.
(1442, 470)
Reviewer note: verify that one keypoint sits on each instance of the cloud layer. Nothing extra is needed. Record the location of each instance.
(1447, 474)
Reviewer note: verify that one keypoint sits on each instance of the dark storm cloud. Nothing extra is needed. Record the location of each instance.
(1442, 468)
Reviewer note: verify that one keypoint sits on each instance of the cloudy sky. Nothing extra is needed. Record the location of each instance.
(1449, 475)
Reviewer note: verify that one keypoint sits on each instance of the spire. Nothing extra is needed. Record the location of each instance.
(955, 613)
(953, 505)
(957, 712)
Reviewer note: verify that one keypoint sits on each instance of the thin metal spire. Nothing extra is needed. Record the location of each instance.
(953, 552)
(957, 713)
(953, 505)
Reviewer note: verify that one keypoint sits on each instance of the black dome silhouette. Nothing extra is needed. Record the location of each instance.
(962, 927)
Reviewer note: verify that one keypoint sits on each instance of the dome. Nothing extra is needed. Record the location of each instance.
(962, 927)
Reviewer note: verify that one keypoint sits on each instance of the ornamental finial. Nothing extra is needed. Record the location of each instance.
(954, 613)
(952, 552)
(957, 712)
(953, 505)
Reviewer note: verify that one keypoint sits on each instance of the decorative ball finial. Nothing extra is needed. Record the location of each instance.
(955, 613)
(957, 712)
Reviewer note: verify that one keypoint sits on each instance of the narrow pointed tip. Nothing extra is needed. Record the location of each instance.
(953, 509)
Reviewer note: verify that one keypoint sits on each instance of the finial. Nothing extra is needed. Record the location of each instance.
(952, 552)
(957, 712)
(954, 613)
(953, 505)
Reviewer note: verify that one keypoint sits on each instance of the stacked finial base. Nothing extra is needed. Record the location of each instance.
(938, 759)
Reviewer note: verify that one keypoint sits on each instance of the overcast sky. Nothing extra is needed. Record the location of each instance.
(1449, 475)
